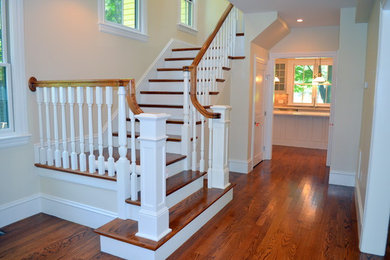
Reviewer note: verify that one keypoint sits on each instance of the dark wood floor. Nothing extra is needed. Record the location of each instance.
(284, 209)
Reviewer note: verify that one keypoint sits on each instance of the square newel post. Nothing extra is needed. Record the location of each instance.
(219, 167)
(154, 215)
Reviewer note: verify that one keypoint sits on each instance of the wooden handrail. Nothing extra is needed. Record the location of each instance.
(33, 83)
(193, 67)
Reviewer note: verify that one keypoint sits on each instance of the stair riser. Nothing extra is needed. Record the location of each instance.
(177, 63)
(173, 112)
(161, 99)
(180, 54)
(166, 86)
(170, 74)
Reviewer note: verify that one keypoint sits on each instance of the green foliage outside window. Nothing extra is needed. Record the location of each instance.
(186, 12)
(123, 12)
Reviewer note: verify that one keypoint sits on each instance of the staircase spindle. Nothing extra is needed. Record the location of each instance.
(194, 152)
(82, 156)
(73, 155)
(99, 103)
(110, 161)
(209, 179)
(186, 124)
(65, 153)
(91, 157)
(134, 189)
(42, 151)
(49, 151)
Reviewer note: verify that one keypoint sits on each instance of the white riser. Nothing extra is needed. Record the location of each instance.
(175, 168)
(166, 86)
(174, 147)
(177, 54)
(173, 112)
(177, 63)
(170, 74)
(128, 251)
(162, 99)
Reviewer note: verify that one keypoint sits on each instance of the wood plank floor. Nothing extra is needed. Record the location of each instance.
(284, 209)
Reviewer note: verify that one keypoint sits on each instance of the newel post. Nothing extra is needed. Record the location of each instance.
(154, 215)
(123, 164)
(220, 168)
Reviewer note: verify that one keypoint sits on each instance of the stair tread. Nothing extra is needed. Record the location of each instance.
(170, 159)
(171, 138)
(179, 58)
(179, 80)
(180, 216)
(170, 121)
(187, 49)
(149, 92)
(174, 183)
(161, 106)
(181, 69)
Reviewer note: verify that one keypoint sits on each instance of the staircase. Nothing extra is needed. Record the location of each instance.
(158, 152)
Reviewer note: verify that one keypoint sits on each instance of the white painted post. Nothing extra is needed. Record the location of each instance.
(154, 215)
(185, 129)
(80, 102)
(220, 168)
(73, 155)
(65, 153)
(91, 157)
(209, 170)
(99, 103)
(134, 183)
(42, 151)
(49, 151)
(57, 153)
(110, 161)
(123, 164)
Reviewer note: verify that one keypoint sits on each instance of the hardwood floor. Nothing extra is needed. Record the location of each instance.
(284, 209)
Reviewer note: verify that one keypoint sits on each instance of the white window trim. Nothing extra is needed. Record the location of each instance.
(19, 134)
(184, 27)
(121, 30)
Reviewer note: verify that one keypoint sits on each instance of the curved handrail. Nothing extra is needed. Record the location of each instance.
(33, 83)
(193, 67)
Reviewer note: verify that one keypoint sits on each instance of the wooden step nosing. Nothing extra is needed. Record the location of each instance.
(186, 49)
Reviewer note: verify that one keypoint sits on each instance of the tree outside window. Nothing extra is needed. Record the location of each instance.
(123, 12)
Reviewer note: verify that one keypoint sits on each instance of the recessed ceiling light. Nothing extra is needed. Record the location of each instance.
(300, 20)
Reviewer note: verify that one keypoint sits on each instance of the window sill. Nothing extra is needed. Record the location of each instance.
(14, 140)
(185, 28)
(123, 31)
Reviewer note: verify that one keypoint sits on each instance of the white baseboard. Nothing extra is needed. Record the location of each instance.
(359, 207)
(342, 178)
(65, 209)
(20, 209)
(240, 166)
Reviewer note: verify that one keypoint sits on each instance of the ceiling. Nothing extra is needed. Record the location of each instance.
(313, 12)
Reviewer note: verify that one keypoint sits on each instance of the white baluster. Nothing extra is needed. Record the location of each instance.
(220, 169)
(73, 155)
(123, 164)
(134, 190)
(194, 152)
(110, 161)
(82, 156)
(153, 220)
(209, 171)
(57, 153)
(65, 153)
(49, 151)
(99, 103)
(42, 151)
(91, 157)
(185, 129)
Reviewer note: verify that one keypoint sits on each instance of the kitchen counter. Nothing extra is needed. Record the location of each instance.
(301, 113)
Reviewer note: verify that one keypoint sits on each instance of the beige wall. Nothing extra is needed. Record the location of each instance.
(349, 93)
(62, 41)
(313, 39)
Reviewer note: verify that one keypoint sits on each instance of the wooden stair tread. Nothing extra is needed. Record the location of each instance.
(148, 92)
(161, 106)
(187, 49)
(179, 58)
(236, 57)
(179, 80)
(171, 138)
(174, 183)
(180, 216)
(181, 69)
(240, 34)
(170, 121)
(170, 159)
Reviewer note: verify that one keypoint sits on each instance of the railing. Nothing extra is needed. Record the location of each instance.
(90, 150)
(200, 79)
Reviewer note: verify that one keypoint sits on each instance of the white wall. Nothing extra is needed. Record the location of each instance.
(348, 102)
(373, 192)
(311, 39)
(62, 41)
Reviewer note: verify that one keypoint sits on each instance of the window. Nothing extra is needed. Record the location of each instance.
(13, 104)
(305, 90)
(123, 18)
(280, 75)
(187, 16)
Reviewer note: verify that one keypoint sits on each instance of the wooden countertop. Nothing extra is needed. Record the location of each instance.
(302, 113)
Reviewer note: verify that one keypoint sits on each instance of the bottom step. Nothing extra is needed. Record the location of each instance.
(118, 236)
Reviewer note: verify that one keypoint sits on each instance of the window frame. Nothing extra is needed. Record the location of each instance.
(17, 133)
(185, 27)
(121, 30)
(290, 80)
(286, 69)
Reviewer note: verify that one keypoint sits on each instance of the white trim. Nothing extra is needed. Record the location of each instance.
(188, 29)
(140, 34)
(76, 212)
(240, 166)
(359, 207)
(20, 133)
(20, 209)
(342, 178)
(78, 179)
